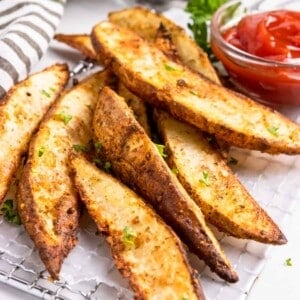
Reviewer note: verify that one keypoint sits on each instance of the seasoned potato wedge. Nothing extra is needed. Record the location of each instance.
(84, 45)
(21, 111)
(189, 52)
(190, 97)
(47, 202)
(136, 160)
(202, 171)
(144, 248)
(81, 42)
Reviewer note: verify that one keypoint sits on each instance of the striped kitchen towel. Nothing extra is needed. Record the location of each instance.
(26, 28)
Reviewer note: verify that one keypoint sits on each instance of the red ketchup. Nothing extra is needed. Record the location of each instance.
(275, 36)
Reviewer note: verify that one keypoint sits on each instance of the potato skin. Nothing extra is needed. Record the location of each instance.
(230, 116)
(136, 161)
(47, 201)
(156, 263)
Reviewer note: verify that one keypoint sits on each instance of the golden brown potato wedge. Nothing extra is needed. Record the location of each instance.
(203, 172)
(136, 160)
(21, 111)
(47, 202)
(84, 45)
(81, 42)
(189, 52)
(144, 248)
(188, 96)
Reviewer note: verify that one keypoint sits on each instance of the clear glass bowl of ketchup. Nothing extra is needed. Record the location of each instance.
(259, 46)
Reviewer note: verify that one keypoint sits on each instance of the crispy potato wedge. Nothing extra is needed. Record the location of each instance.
(144, 248)
(136, 160)
(21, 111)
(205, 175)
(189, 52)
(81, 42)
(203, 172)
(188, 96)
(47, 202)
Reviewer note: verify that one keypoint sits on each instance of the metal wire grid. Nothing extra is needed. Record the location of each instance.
(248, 257)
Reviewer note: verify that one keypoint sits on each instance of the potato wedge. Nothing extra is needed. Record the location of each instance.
(21, 111)
(188, 96)
(144, 248)
(189, 52)
(136, 160)
(203, 172)
(47, 201)
(81, 42)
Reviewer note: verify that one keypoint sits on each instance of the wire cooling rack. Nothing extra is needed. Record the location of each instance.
(89, 271)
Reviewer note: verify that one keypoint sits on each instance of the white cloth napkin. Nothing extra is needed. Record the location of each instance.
(26, 28)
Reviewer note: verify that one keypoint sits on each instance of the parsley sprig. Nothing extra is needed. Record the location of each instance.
(9, 212)
(201, 12)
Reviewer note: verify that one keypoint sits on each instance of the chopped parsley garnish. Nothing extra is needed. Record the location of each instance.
(193, 93)
(41, 151)
(10, 213)
(170, 68)
(45, 93)
(288, 262)
(52, 89)
(98, 147)
(175, 171)
(185, 297)
(273, 130)
(107, 166)
(80, 148)
(205, 179)
(98, 161)
(129, 236)
(233, 161)
(161, 150)
(64, 117)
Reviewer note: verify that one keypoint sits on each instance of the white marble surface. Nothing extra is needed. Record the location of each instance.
(276, 281)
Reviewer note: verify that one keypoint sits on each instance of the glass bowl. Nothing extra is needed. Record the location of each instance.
(271, 82)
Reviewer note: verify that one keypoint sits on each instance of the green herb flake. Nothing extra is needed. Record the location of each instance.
(273, 130)
(193, 93)
(161, 150)
(107, 166)
(232, 161)
(64, 117)
(45, 93)
(175, 171)
(98, 161)
(41, 151)
(52, 89)
(184, 297)
(10, 213)
(129, 236)
(205, 178)
(80, 148)
(170, 68)
(288, 262)
(98, 147)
